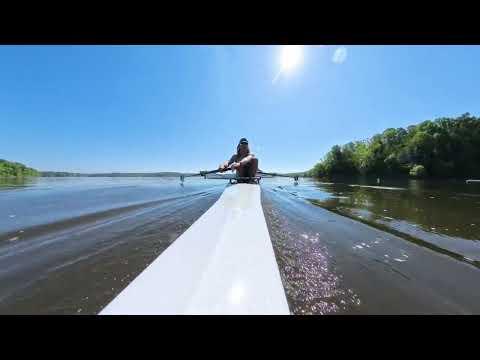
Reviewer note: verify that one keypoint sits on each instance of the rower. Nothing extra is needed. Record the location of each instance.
(244, 162)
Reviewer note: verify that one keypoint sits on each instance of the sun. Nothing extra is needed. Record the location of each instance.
(291, 57)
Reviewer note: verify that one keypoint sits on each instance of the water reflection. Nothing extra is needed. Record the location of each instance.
(448, 209)
(14, 183)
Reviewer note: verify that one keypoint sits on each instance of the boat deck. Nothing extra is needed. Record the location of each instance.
(223, 264)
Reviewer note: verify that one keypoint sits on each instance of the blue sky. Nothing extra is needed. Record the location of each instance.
(184, 108)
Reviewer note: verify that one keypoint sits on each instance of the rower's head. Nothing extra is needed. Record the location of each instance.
(242, 147)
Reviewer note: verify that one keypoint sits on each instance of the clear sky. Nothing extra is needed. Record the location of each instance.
(184, 108)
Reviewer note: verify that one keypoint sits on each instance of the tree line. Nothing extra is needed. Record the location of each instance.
(15, 169)
(443, 148)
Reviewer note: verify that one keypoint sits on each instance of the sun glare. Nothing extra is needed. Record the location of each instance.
(291, 56)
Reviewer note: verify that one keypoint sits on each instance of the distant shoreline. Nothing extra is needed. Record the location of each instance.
(116, 174)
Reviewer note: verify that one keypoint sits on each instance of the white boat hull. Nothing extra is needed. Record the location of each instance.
(223, 264)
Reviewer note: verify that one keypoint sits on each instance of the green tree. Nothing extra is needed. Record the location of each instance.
(15, 169)
(445, 147)
(418, 171)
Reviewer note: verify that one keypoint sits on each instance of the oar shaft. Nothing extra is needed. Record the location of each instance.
(203, 173)
(275, 174)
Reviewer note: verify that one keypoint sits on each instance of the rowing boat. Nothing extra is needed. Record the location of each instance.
(223, 264)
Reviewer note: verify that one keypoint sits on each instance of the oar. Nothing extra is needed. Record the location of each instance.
(203, 173)
(295, 177)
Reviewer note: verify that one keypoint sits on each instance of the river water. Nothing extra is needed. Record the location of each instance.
(70, 245)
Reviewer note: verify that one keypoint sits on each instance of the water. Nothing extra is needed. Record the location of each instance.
(442, 215)
(335, 264)
(69, 245)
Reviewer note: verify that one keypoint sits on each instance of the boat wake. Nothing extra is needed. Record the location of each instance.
(82, 262)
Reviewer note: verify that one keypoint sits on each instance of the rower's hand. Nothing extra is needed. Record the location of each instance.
(235, 165)
(222, 168)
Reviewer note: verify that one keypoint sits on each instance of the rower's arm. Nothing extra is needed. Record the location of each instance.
(246, 159)
(232, 160)
(227, 163)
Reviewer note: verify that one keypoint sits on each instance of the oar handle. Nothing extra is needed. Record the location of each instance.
(203, 173)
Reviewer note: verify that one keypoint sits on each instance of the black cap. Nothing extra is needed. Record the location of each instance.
(243, 141)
